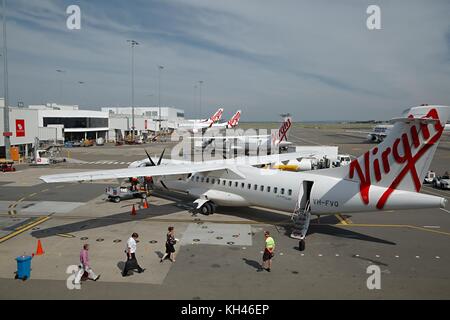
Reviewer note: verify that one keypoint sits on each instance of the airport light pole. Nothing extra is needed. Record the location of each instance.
(133, 44)
(195, 105)
(160, 69)
(6, 132)
(61, 72)
(201, 84)
(81, 83)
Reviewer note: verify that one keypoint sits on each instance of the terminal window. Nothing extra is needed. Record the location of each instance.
(77, 122)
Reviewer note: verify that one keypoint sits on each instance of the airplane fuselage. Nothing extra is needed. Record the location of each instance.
(284, 191)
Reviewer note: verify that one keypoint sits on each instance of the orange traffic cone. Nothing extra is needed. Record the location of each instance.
(145, 204)
(133, 211)
(39, 250)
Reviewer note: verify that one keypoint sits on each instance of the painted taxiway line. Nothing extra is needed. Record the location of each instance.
(23, 229)
(340, 218)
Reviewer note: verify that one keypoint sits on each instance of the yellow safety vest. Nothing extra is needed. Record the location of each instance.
(270, 243)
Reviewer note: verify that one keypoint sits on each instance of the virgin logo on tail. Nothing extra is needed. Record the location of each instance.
(283, 131)
(235, 120)
(407, 158)
(217, 116)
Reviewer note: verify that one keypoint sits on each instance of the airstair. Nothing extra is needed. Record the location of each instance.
(301, 218)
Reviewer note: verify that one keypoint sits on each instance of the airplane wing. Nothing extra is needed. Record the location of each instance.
(162, 170)
(272, 158)
(173, 169)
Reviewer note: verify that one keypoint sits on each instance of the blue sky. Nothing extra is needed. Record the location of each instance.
(314, 59)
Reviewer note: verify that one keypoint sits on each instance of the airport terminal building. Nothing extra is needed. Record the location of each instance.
(146, 120)
(60, 123)
(77, 124)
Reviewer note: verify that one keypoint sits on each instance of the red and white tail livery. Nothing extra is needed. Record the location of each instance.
(216, 117)
(233, 123)
(391, 174)
(280, 137)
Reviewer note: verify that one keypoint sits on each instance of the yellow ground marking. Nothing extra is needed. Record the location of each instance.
(45, 190)
(32, 195)
(346, 219)
(340, 218)
(26, 225)
(12, 206)
(23, 229)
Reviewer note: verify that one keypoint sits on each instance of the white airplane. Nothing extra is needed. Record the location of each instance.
(202, 125)
(387, 177)
(381, 131)
(273, 142)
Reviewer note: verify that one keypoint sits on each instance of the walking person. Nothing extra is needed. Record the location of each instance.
(170, 245)
(85, 266)
(130, 251)
(269, 251)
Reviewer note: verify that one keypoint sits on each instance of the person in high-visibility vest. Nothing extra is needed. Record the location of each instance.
(269, 250)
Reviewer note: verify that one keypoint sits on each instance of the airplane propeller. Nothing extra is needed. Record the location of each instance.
(153, 164)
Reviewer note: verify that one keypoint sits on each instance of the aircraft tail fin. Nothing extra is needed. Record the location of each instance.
(234, 121)
(402, 160)
(283, 133)
(217, 116)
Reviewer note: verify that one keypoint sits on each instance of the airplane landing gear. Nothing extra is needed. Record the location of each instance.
(208, 209)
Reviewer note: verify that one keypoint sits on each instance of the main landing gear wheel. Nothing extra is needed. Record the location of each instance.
(208, 209)
(205, 209)
(301, 245)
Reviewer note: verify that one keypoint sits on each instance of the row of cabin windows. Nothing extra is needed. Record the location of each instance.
(236, 185)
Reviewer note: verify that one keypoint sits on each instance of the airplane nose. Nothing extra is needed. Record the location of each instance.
(444, 202)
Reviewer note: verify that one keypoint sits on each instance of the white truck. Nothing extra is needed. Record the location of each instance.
(442, 182)
(51, 155)
(429, 178)
(344, 159)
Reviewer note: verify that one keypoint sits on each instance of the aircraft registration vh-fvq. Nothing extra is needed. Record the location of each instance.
(387, 177)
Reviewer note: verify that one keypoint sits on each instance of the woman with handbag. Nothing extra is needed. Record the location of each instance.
(170, 245)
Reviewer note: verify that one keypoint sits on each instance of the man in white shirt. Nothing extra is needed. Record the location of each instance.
(131, 263)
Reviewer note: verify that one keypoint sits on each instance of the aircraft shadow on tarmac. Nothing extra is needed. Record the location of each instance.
(100, 222)
(324, 226)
